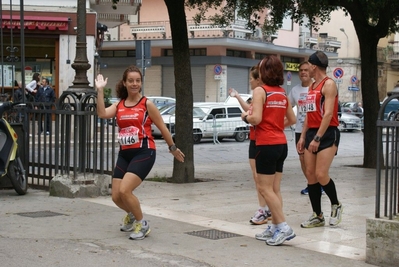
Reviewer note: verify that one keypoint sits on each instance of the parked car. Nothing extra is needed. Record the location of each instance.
(211, 120)
(348, 121)
(353, 107)
(222, 121)
(168, 116)
(233, 101)
(160, 101)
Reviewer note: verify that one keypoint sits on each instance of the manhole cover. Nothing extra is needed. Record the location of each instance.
(212, 234)
(39, 214)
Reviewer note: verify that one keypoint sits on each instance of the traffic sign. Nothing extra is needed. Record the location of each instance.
(338, 73)
(217, 69)
(353, 88)
(354, 79)
(289, 76)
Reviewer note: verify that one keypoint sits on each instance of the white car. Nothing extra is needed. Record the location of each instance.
(349, 122)
(213, 120)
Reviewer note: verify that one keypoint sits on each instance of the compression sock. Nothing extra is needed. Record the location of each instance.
(315, 197)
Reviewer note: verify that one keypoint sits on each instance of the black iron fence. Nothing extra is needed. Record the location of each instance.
(63, 139)
(387, 187)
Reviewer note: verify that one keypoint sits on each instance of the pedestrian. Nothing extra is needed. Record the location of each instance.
(46, 96)
(297, 97)
(271, 112)
(262, 214)
(319, 141)
(32, 87)
(18, 93)
(134, 115)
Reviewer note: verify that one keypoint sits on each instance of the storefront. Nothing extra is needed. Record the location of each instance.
(50, 46)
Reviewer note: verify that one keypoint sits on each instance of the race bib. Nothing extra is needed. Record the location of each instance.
(311, 103)
(128, 135)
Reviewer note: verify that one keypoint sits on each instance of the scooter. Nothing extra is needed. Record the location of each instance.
(10, 163)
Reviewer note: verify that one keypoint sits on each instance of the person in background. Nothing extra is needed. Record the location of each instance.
(319, 141)
(32, 87)
(297, 97)
(18, 93)
(271, 112)
(46, 96)
(262, 214)
(134, 115)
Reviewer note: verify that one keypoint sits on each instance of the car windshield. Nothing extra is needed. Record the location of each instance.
(197, 112)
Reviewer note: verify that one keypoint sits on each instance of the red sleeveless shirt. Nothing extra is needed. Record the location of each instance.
(134, 125)
(270, 131)
(315, 101)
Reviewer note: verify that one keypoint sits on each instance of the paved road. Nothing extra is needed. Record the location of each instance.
(86, 231)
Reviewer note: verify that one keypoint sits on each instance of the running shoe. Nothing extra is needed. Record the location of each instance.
(314, 221)
(261, 217)
(265, 235)
(305, 191)
(127, 222)
(141, 230)
(336, 214)
(280, 237)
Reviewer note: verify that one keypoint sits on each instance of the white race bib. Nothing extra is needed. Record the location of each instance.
(128, 135)
(311, 103)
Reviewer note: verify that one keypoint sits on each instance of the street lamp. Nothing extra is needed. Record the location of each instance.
(347, 41)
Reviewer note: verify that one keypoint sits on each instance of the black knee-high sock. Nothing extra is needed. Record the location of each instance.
(331, 192)
(315, 197)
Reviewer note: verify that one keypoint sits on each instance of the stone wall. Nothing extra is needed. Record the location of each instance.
(382, 242)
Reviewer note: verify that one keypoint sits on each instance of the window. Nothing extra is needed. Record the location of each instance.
(287, 24)
(260, 56)
(234, 112)
(236, 53)
(218, 113)
(117, 53)
(193, 52)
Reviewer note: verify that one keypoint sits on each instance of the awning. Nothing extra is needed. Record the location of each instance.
(36, 23)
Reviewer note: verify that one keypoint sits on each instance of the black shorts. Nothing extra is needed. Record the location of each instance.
(331, 137)
(136, 160)
(297, 137)
(270, 158)
(252, 149)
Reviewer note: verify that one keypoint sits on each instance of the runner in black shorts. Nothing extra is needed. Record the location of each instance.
(331, 137)
(136, 160)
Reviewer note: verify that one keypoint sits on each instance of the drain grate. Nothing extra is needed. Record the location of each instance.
(212, 234)
(40, 214)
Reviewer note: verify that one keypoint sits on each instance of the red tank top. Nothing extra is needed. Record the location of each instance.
(315, 106)
(270, 131)
(134, 125)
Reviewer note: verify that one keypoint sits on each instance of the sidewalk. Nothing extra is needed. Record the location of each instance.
(87, 234)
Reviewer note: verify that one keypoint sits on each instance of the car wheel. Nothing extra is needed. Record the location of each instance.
(197, 136)
(240, 135)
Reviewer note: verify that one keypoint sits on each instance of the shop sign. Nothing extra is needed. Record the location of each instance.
(291, 66)
(36, 22)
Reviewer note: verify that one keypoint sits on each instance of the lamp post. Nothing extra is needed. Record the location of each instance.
(347, 41)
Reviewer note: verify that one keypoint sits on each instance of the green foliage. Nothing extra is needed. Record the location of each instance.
(107, 95)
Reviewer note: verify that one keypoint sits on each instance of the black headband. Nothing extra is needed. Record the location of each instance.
(314, 60)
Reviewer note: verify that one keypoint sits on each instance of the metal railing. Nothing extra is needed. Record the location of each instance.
(55, 148)
(387, 144)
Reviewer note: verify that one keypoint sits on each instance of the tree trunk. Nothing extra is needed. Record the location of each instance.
(369, 82)
(182, 172)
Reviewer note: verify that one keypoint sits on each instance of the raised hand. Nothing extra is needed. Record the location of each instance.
(100, 81)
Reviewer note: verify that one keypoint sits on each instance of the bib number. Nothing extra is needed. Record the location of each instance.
(310, 103)
(128, 136)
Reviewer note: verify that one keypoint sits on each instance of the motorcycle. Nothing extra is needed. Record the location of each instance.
(10, 163)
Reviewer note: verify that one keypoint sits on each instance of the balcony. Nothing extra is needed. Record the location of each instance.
(115, 17)
(308, 40)
(328, 43)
